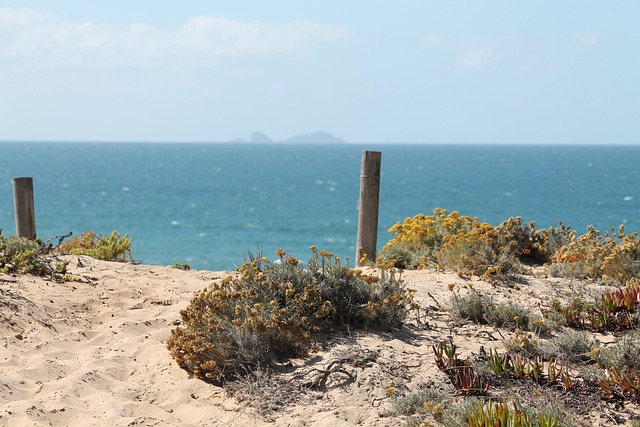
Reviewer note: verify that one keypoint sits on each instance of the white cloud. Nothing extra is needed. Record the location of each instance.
(586, 39)
(474, 59)
(32, 38)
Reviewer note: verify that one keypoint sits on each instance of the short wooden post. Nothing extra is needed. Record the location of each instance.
(24, 208)
(368, 207)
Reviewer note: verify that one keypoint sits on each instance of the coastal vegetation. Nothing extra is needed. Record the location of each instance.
(580, 352)
(19, 255)
(558, 350)
(271, 311)
(113, 247)
(468, 246)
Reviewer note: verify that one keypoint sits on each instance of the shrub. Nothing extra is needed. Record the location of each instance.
(424, 236)
(21, 255)
(182, 266)
(466, 245)
(571, 346)
(624, 354)
(482, 309)
(502, 414)
(479, 252)
(614, 311)
(107, 248)
(613, 257)
(525, 243)
(271, 311)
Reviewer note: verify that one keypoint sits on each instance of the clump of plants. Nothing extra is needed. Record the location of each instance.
(624, 354)
(473, 379)
(113, 247)
(484, 310)
(612, 257)
(271, 311)
(469, 246)
(417, 241)
(614, 311)
(182, 266)
(463, 376)
(501, 414)
(571, 346)
(19, 255)
(466, 245)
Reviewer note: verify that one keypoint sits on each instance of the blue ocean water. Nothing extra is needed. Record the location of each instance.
(209, 203)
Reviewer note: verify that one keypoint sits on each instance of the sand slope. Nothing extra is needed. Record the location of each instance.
(78, 354)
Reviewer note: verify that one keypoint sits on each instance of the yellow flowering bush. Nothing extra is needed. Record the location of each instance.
(417, 241)
(272, 310)
(468, 246)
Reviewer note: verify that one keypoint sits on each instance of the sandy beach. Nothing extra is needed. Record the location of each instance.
(94, 353)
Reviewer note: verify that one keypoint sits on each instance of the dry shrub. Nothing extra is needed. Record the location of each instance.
(613, 257)
(466, 245)
(272, 311)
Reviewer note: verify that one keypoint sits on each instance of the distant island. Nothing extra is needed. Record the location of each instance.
(318, 137)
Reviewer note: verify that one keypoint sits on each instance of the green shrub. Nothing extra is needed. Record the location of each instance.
(502, 414)
(182, 266)
(624, 354)
(21, 255)
(571, 346)
(482, 309)
(107, 248)
(272, 310)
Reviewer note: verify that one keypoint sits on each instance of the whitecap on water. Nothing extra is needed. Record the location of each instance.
(174, 222)
(126, 189)
(628, 198)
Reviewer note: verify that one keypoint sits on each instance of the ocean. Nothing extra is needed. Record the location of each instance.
(208, 204)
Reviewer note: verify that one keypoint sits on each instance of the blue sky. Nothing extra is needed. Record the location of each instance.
(414, 71)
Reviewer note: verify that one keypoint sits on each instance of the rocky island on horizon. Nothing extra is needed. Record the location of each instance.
(319, 137)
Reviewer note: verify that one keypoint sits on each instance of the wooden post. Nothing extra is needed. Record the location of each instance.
(368, 206)
(24, 207)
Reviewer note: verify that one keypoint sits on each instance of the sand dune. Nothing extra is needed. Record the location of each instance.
(94, 353)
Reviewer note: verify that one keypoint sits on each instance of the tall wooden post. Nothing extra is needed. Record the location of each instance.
(368, 206)
(24, 207)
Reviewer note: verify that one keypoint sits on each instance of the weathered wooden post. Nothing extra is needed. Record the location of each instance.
(368, 206)
(24, 207)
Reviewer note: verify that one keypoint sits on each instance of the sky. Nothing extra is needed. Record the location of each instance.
(366, 71)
